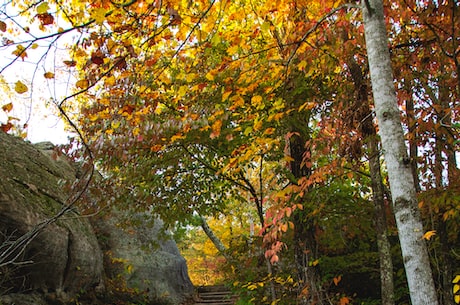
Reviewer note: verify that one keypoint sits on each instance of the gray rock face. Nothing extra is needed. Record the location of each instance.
(65, 256)
(150, 261)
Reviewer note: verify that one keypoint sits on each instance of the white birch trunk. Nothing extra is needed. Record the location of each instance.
(408, 220)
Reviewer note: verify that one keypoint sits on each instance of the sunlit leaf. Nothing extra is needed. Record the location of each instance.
(82, 83)
(43, 8)
(8, 107)
(49, 75)
(98, 14)
(20, 87)
(70, 63)
(45, 19)
(256, 100)
(429, 234)
(20, 52)
(209, 76)
(456, 279)
(115, 124)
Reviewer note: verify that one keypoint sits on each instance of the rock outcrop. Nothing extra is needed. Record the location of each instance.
(65, 256)
(145, 257)
(66, 259)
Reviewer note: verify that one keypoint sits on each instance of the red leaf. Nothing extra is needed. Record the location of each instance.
(45, 19)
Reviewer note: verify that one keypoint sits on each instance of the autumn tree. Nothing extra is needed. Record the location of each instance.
(187, 104)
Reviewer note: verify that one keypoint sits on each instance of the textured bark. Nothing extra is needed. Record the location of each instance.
(407, 215)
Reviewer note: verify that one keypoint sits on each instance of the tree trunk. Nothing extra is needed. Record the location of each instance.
(305, 244)
(407, 215)
(214, 239)
(383, 244)
(411, 124)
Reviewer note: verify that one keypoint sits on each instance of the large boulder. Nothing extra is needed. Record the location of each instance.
(66, 260)
(65, 256)
(145, 257)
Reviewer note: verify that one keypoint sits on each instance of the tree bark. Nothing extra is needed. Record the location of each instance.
(214, 239)
(407, 215)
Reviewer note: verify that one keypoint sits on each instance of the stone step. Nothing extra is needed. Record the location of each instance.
(215, 295)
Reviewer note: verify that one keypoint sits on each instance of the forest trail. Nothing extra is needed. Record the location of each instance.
(215, 295)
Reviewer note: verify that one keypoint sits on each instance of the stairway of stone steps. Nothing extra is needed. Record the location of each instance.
(215, 295)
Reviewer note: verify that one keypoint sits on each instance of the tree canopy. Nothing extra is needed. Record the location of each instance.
(259, 111)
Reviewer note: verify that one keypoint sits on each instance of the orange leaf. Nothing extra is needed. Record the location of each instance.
(6, 127)
(337, 279)
(429, 234)
(70, 63)
(344, 301)
(2, 26)
(7, 107)
(48, 75)
(216, 127)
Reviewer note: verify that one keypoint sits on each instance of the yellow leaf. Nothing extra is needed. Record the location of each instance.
(20, 88)
(34, 46)
(301, 66)
(233, 50)
(177, 136)
(315, 263)
(182, 90)
(20, 52)
(429, 234)
(190, 77)
(456, 289)
(209, 76)
(457, 299)
(256, 100)
(49, 75)
(216, 127)
(115, 124)
(456, 279)
(82, 84)
(307, 106)
(226, 95)
(43, 8)
(98, 14)
(93, 117)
